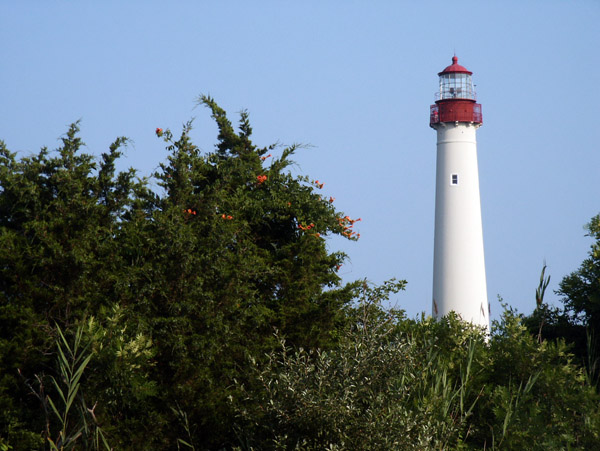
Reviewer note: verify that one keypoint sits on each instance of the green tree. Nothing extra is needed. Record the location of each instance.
(59, 258)
(233, 252)
(169, 303)
(404, 384)
(578, 321)
(171, 288)
(580, 293)
(581, 289)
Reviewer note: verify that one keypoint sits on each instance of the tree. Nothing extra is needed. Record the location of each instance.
(234, 252)
(172, 289)
(578, 321)
(396, 383)
(580, 293)
(581, 289)
(59, 258)
(162, 308)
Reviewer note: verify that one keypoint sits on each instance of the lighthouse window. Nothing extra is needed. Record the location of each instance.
(454, 180)
(456, 85)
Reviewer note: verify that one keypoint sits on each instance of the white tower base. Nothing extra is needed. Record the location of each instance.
(459, 282)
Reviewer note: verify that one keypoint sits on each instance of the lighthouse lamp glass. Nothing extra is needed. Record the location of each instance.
(456, 86)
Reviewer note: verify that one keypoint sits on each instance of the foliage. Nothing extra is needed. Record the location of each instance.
(578, 322)
(83, 432)
(581, 289)
(366, 394)
(172, 289)
(581, 292)
(60, 217)
(423, 385)
(204, 311)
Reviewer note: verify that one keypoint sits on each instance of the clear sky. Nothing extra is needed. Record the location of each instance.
(354, 80)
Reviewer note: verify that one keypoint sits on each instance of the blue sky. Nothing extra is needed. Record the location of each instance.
(354, 80)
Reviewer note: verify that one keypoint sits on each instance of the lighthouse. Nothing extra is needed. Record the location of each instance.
(459, 282)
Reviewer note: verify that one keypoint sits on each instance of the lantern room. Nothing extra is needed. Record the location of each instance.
(455, 82)
(455, 101)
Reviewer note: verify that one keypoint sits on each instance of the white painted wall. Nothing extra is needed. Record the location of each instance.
(459, 282)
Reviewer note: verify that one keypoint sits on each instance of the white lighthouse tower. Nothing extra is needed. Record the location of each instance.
(459, 283)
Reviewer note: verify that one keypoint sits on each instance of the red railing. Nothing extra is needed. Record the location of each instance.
(455, 111)
(434, 115)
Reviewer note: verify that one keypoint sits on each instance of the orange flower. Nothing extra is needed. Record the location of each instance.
(229, 217)
(264, 158)
(159, 132)
(223, 216)
(331, 199)
(261, 178)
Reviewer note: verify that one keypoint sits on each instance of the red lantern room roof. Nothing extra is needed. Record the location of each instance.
(455, 68)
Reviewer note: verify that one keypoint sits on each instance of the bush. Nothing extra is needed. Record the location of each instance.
(403, 384)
